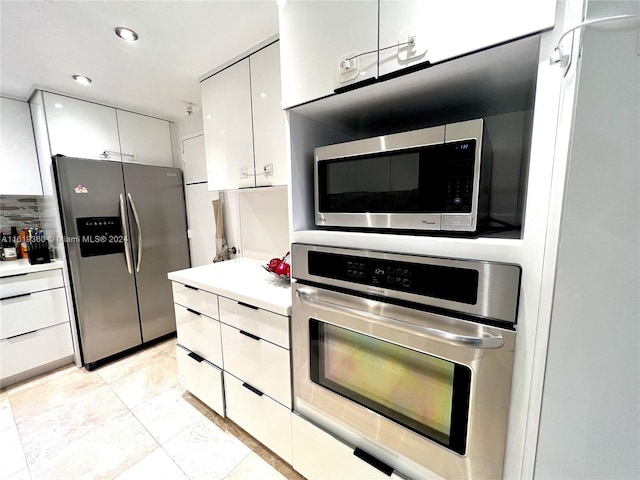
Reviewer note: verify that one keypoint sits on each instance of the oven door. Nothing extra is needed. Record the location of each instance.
(416, 390)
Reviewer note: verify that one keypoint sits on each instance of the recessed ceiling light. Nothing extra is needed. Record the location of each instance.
(82, 79)
(57, 105)
(126, 34)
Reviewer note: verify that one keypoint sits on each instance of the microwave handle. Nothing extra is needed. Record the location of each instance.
(484, 342)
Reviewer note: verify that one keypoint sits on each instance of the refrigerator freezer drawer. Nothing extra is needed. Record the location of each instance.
(201, 378)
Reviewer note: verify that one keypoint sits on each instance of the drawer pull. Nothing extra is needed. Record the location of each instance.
(253, 389)
(192, 288)
(22, 334)
(15, 296)
(373, 461)
(250, 335)
(193, 311)
(248, 306)
(196, 357)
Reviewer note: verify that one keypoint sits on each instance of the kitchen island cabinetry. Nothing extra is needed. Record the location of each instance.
(20, 174)
(77, 128)
(35, 334)
(244, 124)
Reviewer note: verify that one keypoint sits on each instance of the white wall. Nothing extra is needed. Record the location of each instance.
(590, 419)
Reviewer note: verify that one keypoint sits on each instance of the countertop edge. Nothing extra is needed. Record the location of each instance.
(20, 267)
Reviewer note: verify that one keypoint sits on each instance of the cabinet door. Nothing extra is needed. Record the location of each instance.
(444, 30)
(314, 35)
(193, 160)
(226, 111)
(81, 129)
(20, 173)
(145, 140)
(268, 117)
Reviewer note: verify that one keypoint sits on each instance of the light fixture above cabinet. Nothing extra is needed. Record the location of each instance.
(81, 79)
(126, 34)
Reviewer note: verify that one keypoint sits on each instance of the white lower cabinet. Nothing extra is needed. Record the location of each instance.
(34, 324)
(199, 333)
(201, 378)
(260, 415)
(320, 456)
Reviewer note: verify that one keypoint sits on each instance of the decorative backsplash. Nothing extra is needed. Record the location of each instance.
(19, 211)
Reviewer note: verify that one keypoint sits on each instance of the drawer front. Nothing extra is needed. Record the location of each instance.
(265, 419)
(264, 324)
(201, 378)
(260, 363)
(32, 311)
(198, 300)
(309, 441)
(199, 333)
(20, 354)
(30, 282)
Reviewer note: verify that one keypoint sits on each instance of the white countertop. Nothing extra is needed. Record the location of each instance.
(241, 279)
(22, 265)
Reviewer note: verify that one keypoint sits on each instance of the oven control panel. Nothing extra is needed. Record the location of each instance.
(448, 283)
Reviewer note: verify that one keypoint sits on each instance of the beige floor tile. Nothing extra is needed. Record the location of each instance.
(146, 381)
(12, 458)
(103, 453)
(254, 467)
(54, 429)
(277, 463)
(21, 475)
(156, 465)
(168, 347)
(203, 451)
(166, 414)
(126, 366)
(6, 414)
(34, 397)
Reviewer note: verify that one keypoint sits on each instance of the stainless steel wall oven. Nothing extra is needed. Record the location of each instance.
(406, 358)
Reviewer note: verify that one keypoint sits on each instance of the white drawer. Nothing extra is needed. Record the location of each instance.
(201, 378)
(260, 363)
(32, 311)
(199, 333)
(265, 419)
(264, 324)
(20, 354)
(320, 456)
(30, 282)
(198, 300)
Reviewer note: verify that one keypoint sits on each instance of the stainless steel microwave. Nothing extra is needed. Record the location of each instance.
(435, 179)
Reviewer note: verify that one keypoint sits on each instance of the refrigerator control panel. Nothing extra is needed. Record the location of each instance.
(100, 236)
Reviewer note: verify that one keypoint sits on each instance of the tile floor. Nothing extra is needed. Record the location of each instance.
(126, 420)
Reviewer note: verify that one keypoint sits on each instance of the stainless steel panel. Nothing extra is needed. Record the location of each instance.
(158, 196)
(104, 291)
(498, 284)
(401, 448)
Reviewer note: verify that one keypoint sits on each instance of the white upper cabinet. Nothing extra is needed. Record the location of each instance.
(144, 140)
(194, 161)
(226, 111)
(269, 137)
(444, 30)
(20, 173)
(244, 124)
(81, 129)
(315, 35)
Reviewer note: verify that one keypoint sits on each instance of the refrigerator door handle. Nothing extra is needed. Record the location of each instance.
(135, 216)
(123, 219)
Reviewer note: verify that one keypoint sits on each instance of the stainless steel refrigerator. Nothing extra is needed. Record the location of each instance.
(125, 228)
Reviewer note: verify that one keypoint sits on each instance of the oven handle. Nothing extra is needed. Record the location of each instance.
(484, 342)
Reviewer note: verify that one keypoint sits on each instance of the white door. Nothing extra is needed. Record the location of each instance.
(20, 173)
(144, 140)
(201, 222)
(194, 163)
(268, 117)
(81, 129)
(226, 112)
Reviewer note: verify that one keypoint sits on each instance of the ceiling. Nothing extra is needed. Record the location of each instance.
(44, 43)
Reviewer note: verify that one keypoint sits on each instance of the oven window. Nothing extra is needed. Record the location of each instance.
(423, 393)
